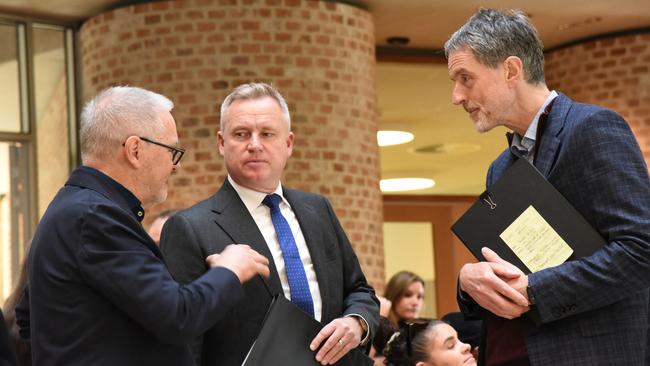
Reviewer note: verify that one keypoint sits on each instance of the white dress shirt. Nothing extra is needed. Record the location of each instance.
(262, 216)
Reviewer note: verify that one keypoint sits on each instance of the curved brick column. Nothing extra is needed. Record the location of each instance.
(613, 72)
(321, 57)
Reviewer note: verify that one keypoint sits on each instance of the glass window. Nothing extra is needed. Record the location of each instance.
(51, 102)
(38, 134)
(10, 120)
(14, 210)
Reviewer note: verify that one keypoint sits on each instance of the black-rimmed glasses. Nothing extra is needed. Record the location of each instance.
(177, 153)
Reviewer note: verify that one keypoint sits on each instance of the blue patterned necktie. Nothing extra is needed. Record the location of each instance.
(296, 276)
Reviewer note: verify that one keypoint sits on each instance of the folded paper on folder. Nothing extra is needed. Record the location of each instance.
(285, 337)
(527, 222)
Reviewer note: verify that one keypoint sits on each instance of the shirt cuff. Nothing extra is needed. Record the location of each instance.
(365, 328)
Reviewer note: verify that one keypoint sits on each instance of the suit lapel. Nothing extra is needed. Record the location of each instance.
(550, 144)
(231, 215)
(312, 229)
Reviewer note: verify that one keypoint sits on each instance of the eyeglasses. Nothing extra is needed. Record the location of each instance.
(177, 153)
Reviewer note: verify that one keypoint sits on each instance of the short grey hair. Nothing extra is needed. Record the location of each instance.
(493, 36)
(252, 91)
(117, 113)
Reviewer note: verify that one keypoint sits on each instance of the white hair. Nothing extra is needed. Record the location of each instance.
(117, 113)
(253, 91)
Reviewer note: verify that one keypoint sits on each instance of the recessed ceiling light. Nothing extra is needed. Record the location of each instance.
(447, 148)
(405, 184)
(387, 138)
(398, 41)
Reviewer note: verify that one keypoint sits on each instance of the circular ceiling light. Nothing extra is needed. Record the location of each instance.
(388, 138)
(405, 184)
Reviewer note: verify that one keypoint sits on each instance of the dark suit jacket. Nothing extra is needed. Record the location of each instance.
(99, 292)
(7, 354)
(206, 228)
(594, 310)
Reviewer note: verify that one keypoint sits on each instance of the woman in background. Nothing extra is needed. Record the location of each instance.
(402, 302)
(405, 291)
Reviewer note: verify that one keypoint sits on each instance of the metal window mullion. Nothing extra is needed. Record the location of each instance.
(23, 88)
(73, 125)
(28, 121)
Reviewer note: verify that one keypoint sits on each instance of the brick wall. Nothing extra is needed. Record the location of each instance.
(321, 57)
(613, 72)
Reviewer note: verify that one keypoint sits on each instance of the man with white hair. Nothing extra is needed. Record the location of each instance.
(99, 292)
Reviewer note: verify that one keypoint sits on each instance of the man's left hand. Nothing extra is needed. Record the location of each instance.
(519, 283)
(342, 335)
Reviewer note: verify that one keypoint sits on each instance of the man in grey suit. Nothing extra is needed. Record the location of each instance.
(594, 310)
(312, 261)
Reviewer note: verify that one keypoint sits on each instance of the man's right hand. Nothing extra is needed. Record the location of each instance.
(242, 260)
(488, 283)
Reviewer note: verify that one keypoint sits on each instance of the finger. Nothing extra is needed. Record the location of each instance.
(509, 310)
(338, 351)
(329, 345)
(507, 291)
(492, 256)
(321, 336)
(212, 257)
(503, 307)
(504, 271)
(261, 259)
(263, 270)
(338, 343)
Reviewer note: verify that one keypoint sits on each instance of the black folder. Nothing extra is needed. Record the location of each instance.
(520, 187)
(285, 337)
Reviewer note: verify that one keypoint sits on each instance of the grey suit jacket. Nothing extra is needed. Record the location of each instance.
(206, 228)
(594, 310)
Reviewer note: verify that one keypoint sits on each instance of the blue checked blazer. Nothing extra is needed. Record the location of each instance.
(594, 310)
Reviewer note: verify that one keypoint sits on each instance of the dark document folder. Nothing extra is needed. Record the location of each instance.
(285, 337)
(520, 188)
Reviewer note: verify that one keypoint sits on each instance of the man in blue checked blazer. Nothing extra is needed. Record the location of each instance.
(594, 310)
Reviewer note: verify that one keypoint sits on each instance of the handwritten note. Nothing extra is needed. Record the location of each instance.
(535, 242)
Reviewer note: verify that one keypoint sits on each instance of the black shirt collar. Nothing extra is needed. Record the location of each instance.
(132, 201)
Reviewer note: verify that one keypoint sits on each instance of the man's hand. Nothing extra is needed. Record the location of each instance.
(519, 283)
(384, 306)
(491, 283)
(242, 260)
(342, 334)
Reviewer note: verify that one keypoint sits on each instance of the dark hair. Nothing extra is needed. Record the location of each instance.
(396, 288)
(469, 331)
(494, 35)
(411, 343)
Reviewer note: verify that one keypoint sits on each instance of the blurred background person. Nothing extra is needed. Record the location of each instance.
(20, 347)
(469, 331)
(426, 343)
(405, 291)
(402, 302)
(156, 226)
